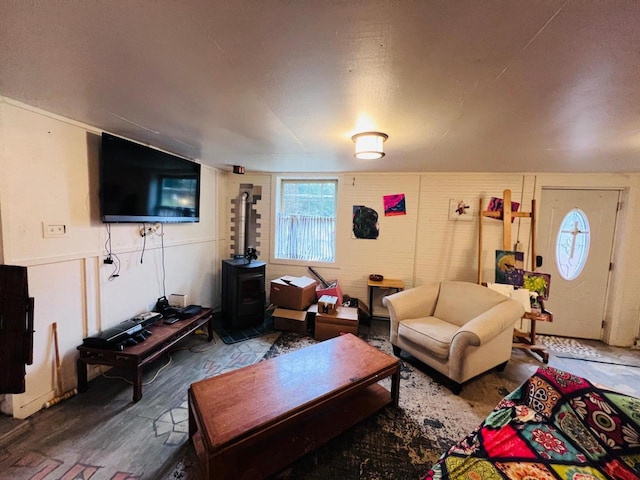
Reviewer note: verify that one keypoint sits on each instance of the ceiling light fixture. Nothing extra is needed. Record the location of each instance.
(369, 145)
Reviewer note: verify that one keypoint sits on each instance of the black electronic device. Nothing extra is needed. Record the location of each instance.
(125, 333)
(163, 307)
(189, 311)
(140, 184)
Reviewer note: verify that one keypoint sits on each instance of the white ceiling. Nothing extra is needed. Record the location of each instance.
(281, 85)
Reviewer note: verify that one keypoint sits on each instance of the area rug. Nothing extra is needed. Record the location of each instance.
(567, 346)
(234, 336)
(397, 443)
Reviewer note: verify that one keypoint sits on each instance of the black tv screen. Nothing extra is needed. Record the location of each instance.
(139, 184)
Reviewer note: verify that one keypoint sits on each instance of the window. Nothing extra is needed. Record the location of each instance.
(306, 220)
(572, 245)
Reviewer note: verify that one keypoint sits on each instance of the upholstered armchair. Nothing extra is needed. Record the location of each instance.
(460, 329)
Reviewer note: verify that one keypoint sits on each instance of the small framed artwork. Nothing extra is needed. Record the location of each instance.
(459, 210)
(510, 267)
(537, 282)
(394, 205)
(365, 223)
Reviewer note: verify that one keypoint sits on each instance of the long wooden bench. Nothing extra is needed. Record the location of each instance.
(132, 359)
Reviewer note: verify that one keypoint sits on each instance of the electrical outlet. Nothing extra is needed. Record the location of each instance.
(148, 230)
(54, 230)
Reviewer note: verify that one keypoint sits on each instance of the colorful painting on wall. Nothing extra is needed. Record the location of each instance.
(394, 205)
(510, 267)
(365, 222)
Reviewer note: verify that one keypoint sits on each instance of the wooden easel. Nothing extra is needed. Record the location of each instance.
(522, 340)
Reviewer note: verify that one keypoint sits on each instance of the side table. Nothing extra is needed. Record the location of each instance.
(527, 341)
(387, 283)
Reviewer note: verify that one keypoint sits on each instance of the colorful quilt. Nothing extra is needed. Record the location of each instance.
(554, 426)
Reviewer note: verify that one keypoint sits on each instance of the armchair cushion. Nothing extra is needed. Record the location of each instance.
(430, 332)
(460, 302)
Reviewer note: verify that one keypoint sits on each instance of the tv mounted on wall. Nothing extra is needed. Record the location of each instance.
(139, 184)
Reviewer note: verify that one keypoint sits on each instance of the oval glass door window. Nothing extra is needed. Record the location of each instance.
(572, 244)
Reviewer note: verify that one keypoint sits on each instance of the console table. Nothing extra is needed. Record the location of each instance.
(387, 283)
(133, 358)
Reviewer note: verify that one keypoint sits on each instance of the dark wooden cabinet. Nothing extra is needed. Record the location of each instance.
(16, 328)
(243, 293)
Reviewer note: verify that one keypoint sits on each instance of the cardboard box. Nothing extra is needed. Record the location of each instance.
(327, 304)
(329, 325)
(290, 320)
(296, 293)
(333, 291)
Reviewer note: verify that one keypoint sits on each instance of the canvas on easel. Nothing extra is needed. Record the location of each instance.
(497, 205)
(510, 267)
(538, 282)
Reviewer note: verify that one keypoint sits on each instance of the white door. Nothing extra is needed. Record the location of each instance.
(575, 239)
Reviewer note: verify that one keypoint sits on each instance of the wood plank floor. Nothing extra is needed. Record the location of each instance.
(102, 435)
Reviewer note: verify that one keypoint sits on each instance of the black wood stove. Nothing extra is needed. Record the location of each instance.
(243, 293)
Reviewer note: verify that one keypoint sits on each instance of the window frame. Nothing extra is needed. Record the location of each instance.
(584, 246)
(276, 188)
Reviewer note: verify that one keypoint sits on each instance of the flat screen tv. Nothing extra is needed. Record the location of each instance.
(139, 184)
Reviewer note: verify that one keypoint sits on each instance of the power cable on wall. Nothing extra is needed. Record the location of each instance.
(144, 231)
(164, 271)
(144, 241)
(111, 258)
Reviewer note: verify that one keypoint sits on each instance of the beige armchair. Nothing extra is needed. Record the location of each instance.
(460, 329)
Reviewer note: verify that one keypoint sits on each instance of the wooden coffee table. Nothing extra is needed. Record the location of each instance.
(252, 422)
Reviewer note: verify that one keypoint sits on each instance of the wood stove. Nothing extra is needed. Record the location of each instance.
(243, 293)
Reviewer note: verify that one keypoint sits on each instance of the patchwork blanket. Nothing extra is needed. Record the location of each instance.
(555, 425)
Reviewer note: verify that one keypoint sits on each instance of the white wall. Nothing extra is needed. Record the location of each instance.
(424, 245)
(49, 173)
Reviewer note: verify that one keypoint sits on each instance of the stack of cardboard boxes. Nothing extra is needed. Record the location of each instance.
(292, 296)
(295, 298)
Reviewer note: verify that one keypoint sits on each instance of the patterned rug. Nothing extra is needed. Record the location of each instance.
(567, 346)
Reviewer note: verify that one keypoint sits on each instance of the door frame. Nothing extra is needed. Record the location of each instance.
(607, 288)
(622, 304)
